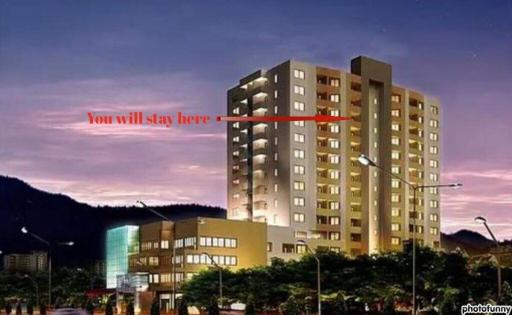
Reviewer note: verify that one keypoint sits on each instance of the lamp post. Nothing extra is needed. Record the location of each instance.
(36, 285)
(24, 230)
(366, 161)
(173, 253)
(220, 275)
(483, 221)
(318, 287)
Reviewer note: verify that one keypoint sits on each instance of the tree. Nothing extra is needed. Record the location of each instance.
(250, 309)
(448, 303)
(155, 307)
(59, 302)
(290, 307)
(42, 308)
(506, 294)
(89, 307)
(8, 308)
(108, 308)
(30, 308)
(183, 306)
(18, 308)
(213, 307)
(335, 305)
(129, 309)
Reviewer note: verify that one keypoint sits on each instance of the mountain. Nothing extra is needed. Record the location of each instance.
(57, 217)
(472, 242)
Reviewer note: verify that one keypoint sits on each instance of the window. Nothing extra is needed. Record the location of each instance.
(334, 190)
(203, 259)
(301, 248)
(298, 137)
(154, 278)
(269, 246)
(434, 217)
(434, 177)
(395, 98)
(334, 112)
(395, 197)
(297, 89)
(275, 78)
(299, 169)
(395, 227)
(299, 217)
(165, 277)
(434, 231)
(335, 98)
(395, 155)
(164, 244)
(434, 109)
(334, 205)
(334, 159)
(298, 154)
(395, 140)
(334, 144)
(334, 220)
(236, 139)
(236, 125)
(434, 123)
(298, 123)
(434, 150)
(395, 240)
(334, 236)
(395, 169)
(333, 174)
(334, 128)
(275, 94)
(236, 110)
(298, 201)
(434, 204)
(208, 241)
(298, 74)
(434, 163)
(395, 113)
(299, 106)
(288, 248)
(395, 212)
(275, 172)
(434, 136)
(395, 127)
(334, 82)
(275, 187)
(301, 234)
(395, 183)
(153, 261)
(297, 185)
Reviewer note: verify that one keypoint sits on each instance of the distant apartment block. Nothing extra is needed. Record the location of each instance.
(304, 180)
(33, 262)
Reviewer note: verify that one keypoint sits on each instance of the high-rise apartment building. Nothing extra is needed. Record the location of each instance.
(304, 179)
(35, 261)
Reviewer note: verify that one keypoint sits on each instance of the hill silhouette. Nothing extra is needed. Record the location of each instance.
(57, 217)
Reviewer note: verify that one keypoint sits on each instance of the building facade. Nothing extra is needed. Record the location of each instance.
(35, 261)
(120, 243)
(231, 244)
(304, 179)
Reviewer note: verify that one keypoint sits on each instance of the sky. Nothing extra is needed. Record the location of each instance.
(62, 59)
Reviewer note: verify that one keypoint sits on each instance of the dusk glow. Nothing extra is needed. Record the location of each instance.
(61, 60)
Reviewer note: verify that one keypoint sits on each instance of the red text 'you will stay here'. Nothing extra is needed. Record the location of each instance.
(139, 118)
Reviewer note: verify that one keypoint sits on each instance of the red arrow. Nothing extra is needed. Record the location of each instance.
(317, 118)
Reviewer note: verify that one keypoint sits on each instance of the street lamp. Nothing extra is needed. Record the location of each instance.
(24, 230)
(483, 221)
(173, 254)
(366, 161)
(36, 285)
(318, 288)
(220, 275)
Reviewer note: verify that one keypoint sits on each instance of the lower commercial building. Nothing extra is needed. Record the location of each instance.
(35, 261)
(166, 254)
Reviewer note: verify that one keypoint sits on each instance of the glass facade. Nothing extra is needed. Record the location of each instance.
(121, 242)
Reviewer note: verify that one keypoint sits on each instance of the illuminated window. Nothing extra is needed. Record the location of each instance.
(299, 106)
(334, 190)
(395, 169)
(395, 183)
(395, 113)
(298, 123)
(334, 144)
(275, 94)
(301, 248)
(334, 128)
(434, 231)
(434, 150)
(395, 197)
(164, 244)
(334, 220)
(334, 82)
(298, 201)
(236, 110)
(395, 155)
(334, 112)
(297, 185)
(298, 137)
(297, 89)
(434, 136)
(395, 240)
(395, 127)
(395, 140)
(298, 154)
(299, 169)
(334, 236)
(434, 217)
(333, 174)
(395, 98)
(334, 159)
(298, 74)
(434, 163)
(434, 110)
(335, 98)
(395, 212)
(299, 217)
(334, 205)
(275, 78)
(395, 227)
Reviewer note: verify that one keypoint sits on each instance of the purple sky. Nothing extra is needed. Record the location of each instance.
(59, 60)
